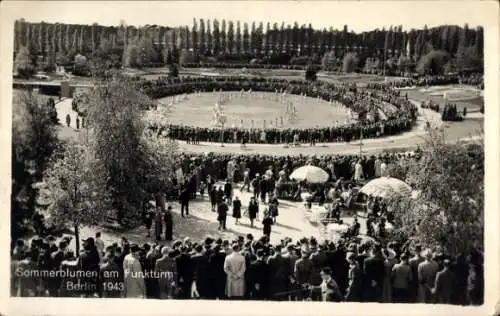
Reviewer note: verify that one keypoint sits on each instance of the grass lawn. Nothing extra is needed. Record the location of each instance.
(197, 111)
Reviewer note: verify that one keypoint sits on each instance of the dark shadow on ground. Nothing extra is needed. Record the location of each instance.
(286, 226)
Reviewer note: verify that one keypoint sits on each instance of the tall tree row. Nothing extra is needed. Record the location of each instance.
(214, 37)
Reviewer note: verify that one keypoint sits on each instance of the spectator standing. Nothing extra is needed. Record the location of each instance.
(253, 210)
(267, 222)
(427, 271)
(184, 201)
(235, 266)
(222, 210)
(402, 279)
(236, 209)
(445, 284)
(374, 272)
(134, 284)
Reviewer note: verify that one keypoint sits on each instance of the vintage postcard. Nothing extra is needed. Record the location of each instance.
(275, 157)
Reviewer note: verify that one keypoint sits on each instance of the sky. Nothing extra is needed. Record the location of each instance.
(358, 15)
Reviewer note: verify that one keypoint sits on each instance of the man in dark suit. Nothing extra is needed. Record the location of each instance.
(56, 258)
(168, 269)
(303, 271)
(184, 200)
(258, 274)
(216, 274)
(374, 272)
(445, 284)
(185, 272)
(354, 292)
(222, 210)
(278, 278)
(228, 191)
(109, 278)
(200, 268)
(414, 262)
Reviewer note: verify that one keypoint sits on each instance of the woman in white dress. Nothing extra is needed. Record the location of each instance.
(358, 171)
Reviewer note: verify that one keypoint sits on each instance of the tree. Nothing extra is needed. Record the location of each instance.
(161, 159)
(146, 53)
(448, 216)
(246, 39)
(433, 62)
(238, 38)
(202, 37)
(329, 61)
(194, 36)
(130, 55)
(349, 63)
(404, 63)
(468, 59)
(230, 37)
(223, 37)
(216, 37)
(23, 63)
(115, 111)
(76, 190)
(34, 139)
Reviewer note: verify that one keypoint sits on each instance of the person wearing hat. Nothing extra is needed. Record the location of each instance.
(256, 186)
(55, 264)
(303, 273)
(167, 269)
(445, 284)
(213, 193)
(253, 210)
(267, 222)
(200, 267)
(109, 277)
(246, 180)
(88, 261)
(216, 274)
(390, 261)
(134, 284)
(234, 267)
(414, 263)
(354, 291)
(222, 215)
(258, 277)
(427, 271)
(273, 206)
(185, 271)
(278, 277)
(402, 278)
(374, 273)
(236, 209)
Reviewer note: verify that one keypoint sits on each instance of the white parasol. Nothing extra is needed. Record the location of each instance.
(310, 174)
(386, 187)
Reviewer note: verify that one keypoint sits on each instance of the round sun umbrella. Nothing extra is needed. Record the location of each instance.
(386, 187)
(310, 174)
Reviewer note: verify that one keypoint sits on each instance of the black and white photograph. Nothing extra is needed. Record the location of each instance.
(273, 151)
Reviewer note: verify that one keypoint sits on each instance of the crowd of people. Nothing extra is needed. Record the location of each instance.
(424, 81)
(242, 168)
(357, 99)
(247, 268)
(349, 268)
